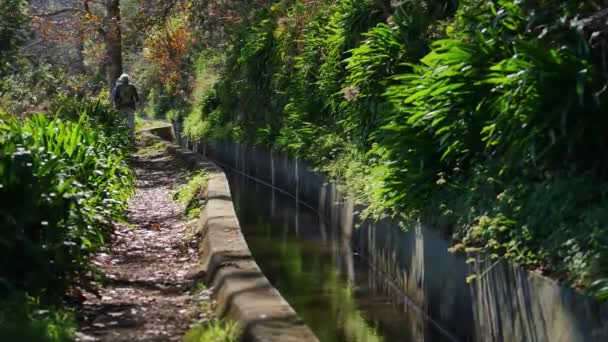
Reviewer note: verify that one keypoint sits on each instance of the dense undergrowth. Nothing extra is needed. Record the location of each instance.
(192, 194)
(216, 330)
(63, 183)
(483, 118)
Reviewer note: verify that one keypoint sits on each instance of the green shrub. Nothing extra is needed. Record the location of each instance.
(498, 94)
(112, 123)
(247, 78)
(192, 194)
(350, 19)
(512, 120)
(490, 112)
(175, 115)
(158, 103)
(215, 331)
(204, 118)
(22, 318)
(557, 224)
(61, 183)
(370, 67)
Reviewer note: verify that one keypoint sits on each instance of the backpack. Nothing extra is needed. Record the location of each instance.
(123, 95)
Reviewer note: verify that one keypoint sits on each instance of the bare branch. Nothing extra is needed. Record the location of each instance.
(34, 44)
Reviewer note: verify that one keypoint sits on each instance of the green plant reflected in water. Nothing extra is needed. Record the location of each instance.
(311, 283)
(332, 290)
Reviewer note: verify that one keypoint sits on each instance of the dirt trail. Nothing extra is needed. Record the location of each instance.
(150, 267)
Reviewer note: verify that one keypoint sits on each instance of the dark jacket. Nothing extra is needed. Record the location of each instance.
(125, 96)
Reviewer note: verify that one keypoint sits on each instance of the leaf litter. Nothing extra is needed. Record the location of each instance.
(149, 272)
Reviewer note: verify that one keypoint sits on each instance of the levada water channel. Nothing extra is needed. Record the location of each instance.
(331, 287)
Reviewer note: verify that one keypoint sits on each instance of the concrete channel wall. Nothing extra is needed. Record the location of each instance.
(240, 288)
(504, 303)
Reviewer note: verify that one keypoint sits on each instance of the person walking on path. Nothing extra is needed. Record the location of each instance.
(126, 100)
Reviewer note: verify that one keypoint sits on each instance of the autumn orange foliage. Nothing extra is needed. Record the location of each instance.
(167, 50)
(65, 27)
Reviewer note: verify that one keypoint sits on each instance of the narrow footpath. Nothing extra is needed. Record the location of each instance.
(151, 291)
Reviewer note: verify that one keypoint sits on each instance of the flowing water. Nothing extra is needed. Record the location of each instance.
(333, 290)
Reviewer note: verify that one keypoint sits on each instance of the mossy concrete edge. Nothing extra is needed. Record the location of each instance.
(240, 288)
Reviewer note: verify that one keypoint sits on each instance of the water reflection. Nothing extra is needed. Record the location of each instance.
(314, 268)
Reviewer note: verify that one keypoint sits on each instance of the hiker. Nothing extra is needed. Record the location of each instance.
(126, 99)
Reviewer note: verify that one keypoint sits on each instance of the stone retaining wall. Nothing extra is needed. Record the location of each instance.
(504, 303)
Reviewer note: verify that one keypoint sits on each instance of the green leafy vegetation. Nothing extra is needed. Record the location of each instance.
(62, 182)
(482, 118)
(216, 331)
(22, 319)
(220, 330)
(62, 185)
(99, 116)
(192, 194)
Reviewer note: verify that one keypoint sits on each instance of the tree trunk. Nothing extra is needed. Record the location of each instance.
(113, 39)
(80, 53)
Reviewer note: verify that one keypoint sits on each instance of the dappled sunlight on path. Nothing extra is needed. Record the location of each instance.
(149, 293)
